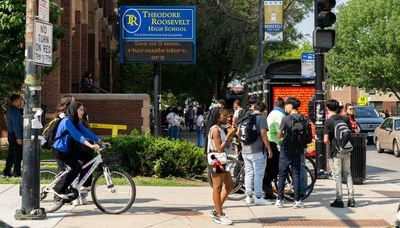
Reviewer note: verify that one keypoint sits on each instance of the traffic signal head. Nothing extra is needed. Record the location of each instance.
(324, 16)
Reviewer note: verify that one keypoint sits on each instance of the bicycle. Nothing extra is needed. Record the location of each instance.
(112, 191)
(310, 167)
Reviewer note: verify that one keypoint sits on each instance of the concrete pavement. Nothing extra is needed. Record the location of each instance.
(377, 201)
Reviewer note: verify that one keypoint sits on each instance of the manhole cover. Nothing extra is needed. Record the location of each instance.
(390, 194)
(180, 212)
(291, 222)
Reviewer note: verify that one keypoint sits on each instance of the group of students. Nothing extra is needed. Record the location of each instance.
(73, 143)
(279, 145)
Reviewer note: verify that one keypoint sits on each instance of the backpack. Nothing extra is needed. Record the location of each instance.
(298, 134)
(342, 135)
(176, 120)
(49, 133)
(248, 132)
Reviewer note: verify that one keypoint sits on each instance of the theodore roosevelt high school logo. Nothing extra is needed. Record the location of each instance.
(132, 20)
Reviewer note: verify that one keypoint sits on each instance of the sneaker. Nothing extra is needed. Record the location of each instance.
(249, 200)
(279, 203)
(351, 203)
(262, 201)
(337, 203)
(76, 202)
(213, 214)
(298, 204)
(223, 220)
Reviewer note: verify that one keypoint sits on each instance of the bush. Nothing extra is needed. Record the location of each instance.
(148, 156)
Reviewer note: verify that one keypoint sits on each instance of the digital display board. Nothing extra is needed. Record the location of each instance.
(157, 34)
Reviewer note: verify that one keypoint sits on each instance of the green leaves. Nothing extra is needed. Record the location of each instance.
(367, 50)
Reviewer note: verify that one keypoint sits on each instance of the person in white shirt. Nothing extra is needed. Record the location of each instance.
(174, 123)
(199, 120)
(237, 107)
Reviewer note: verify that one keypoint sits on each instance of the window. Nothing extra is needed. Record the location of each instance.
(397, 125)
(385, 124)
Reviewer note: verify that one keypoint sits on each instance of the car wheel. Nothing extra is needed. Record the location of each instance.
(396, 149)
(378, 146)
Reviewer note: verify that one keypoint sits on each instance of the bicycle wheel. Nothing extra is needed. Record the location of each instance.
(236, 168)
(48, 200)
(113, 191)
(311, 179)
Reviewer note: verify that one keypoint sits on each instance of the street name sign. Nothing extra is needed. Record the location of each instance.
(308, 65)
(43, 43)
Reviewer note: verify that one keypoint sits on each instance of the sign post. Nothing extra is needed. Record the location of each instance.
(38, 51)
(157, 34)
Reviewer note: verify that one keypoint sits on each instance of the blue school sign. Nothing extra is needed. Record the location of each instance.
(157, 34)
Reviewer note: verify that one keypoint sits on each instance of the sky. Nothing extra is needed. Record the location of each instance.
(307, 25)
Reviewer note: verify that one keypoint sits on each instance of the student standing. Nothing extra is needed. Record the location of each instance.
(15, 136)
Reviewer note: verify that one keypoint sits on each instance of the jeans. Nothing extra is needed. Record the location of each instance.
(272, 169)
(341, 166)
(254, 168)
(200, 137)
(173, 132)
(285, 162)
(14, 156)
(303, 176)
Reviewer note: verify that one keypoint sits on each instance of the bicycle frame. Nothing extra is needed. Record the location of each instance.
(95, 162)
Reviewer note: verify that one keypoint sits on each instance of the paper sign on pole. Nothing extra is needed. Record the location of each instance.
(43, 43)
(43, 10)
(273, 21)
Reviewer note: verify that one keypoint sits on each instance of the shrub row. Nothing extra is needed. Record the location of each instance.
(148, 156)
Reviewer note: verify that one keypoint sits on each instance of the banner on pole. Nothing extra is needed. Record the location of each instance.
(273, 21)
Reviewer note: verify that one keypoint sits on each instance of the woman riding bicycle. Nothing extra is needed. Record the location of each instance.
(70, 130)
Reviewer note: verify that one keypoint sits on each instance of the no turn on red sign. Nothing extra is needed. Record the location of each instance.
(43, 43)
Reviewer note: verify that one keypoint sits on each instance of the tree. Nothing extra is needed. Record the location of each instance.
(226, 45)
(367, 52)
(12, 40)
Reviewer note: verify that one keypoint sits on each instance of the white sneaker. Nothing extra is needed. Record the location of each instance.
(223, 220)
(213, 214)
(249, 200)
(262, 201)
(76, 202)
(279, 203)
(298, 204)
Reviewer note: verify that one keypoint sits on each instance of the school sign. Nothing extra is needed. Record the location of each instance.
(157, 34)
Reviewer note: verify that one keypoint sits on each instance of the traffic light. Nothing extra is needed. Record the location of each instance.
(324, 17)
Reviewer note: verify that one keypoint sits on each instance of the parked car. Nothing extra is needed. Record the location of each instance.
(368, 119)
(387, 136)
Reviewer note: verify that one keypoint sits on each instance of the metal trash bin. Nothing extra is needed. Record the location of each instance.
(358, 158)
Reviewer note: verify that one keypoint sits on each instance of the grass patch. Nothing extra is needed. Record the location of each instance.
(44, 154)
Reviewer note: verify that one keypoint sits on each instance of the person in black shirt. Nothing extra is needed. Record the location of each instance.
(340, 161)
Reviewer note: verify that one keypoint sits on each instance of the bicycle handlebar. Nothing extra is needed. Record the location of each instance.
(104, 146)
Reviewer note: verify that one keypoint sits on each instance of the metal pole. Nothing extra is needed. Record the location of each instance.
(260, 53)
(320, 114)
(157, 94)
(31, 164)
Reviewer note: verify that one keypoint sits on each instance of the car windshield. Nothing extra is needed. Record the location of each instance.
(366, 112)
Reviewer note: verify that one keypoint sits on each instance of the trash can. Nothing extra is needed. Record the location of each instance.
(358, 158)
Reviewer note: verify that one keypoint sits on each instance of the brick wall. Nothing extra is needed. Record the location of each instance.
(122, 109)
(65, 47)
(3, 127)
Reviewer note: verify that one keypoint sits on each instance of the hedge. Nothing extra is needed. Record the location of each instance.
(149, 156)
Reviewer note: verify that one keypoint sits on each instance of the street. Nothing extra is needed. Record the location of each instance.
(376, 200)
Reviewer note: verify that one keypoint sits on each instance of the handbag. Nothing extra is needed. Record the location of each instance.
(215, 157)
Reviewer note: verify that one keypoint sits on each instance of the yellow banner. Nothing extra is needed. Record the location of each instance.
(273, 21)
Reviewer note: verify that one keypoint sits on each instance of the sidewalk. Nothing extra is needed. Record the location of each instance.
(377, 202)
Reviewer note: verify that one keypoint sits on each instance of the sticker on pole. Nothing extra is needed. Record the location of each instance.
(362, 100)
(43, 43)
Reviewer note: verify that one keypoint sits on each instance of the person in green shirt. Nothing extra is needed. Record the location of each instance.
(274, 120)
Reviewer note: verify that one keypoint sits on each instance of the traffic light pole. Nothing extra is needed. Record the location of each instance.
(31, 164)
(320, 114)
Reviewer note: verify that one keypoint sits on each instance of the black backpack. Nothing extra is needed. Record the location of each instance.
(342, 135)
(49, 133)
(248, 132)
(298, 134)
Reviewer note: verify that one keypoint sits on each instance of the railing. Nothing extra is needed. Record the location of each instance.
(113, 127)
(88, 88)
